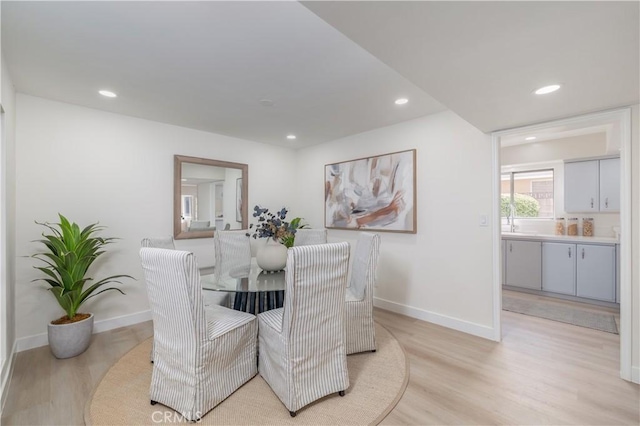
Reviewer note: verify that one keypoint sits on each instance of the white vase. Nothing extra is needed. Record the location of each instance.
(272, 256)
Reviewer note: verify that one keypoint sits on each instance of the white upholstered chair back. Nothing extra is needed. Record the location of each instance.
(232, 251)
(164, 243)
(303, 345)
(365, 263)
(305, 237)
(316, 279)
(175, 298)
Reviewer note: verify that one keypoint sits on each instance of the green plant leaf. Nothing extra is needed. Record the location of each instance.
(69, 254)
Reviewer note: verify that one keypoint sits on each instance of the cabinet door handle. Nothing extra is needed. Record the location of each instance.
(510, 247)
(606, 202)
(592, 203)
(569, 252)
(583, 253)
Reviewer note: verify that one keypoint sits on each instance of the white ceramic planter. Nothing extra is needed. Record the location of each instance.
(272, 256)
(69, 340)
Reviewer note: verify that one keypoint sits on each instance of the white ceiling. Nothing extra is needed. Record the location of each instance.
(483, 60)
(207, 65)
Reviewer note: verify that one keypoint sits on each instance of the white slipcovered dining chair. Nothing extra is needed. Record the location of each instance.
(203, 354)
(165, 243)
(307, 236)
(232, 251)
(361, 334)
(302, 353)
(210, 297)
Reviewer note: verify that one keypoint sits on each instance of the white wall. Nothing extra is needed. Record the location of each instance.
(592, 145)
(93, 166)
(635, 241)
(7, 225)
(443, 273)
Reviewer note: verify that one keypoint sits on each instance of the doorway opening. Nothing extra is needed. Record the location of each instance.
(617, 126)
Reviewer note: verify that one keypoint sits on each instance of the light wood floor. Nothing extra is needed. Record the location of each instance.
(543, 372)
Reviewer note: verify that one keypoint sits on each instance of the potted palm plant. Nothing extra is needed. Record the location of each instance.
(69, 254)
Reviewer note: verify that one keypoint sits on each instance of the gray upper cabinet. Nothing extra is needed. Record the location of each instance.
(596, 272)
(524, 264)
(610, 185)
(592, 186)
(559, 268)
(581, 186)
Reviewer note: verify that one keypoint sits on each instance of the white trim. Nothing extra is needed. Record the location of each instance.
(5, 379)
(635, 375)
(496, 241)
(38, 340)
(622, 117)
(443, 320)
(626, 307)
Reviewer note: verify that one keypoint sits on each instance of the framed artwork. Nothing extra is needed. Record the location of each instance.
(239, 200)
(374, 193)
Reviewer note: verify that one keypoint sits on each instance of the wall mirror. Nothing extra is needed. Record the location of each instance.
(208, 195)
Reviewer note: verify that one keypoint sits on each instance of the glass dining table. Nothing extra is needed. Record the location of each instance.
(255, 290)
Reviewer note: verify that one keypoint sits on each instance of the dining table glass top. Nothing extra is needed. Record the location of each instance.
(245, 280)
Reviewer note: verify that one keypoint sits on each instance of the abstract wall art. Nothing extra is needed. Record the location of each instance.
(375, 193)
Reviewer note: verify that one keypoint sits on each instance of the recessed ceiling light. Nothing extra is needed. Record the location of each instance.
(266, 102)
(530, 138)
(547, 89)
(401, 101)
(291, 137)
(107, 93)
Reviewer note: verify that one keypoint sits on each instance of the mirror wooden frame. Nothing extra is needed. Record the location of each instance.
(178, 160)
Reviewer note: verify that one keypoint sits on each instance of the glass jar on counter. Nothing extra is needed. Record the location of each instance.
(572, 226)
(560, 226)
(587, 227)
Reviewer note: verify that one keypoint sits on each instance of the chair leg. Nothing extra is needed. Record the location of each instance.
(292, 413)
(153, 402)
(341, 393)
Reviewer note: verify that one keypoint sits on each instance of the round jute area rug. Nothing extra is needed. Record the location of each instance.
(377, 382)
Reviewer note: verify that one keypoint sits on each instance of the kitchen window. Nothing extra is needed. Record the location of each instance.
(527, 194)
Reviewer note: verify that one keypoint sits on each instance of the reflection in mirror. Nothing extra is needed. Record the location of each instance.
(208, 195)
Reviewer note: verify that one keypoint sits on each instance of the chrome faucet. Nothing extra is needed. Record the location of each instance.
(511, 218)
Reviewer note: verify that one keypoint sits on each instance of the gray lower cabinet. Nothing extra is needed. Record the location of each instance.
(596, 272)
(559, 268)
(524, 259)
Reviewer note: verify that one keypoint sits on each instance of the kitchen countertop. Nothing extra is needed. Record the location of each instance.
(559, 238)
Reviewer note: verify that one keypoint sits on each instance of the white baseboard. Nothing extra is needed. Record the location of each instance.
(38, 340)
(635, 374)
(443, 320)
(5, 377)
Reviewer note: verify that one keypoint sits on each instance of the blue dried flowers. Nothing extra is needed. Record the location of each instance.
(273, 225)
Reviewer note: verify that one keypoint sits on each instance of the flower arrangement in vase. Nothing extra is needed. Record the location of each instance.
(273, 257)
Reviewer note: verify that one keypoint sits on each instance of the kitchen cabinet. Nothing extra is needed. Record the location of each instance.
(581, 186)
(562, 265)
(610, 185)
(592, 186)
(596, 272)
(559, 268)
(524, 260)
